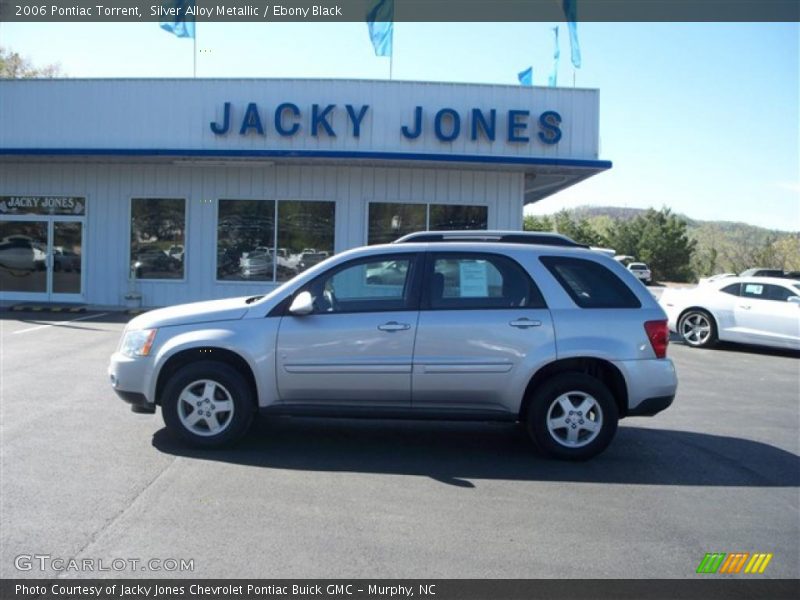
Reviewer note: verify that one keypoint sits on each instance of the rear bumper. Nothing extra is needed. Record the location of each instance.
(651, 406)
(652, 384)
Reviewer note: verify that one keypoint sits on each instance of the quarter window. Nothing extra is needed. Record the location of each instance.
(590, 284)
(732, 289)
(479, 281)
(158, 232)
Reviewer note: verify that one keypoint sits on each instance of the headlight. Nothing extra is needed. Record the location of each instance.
(138, 342)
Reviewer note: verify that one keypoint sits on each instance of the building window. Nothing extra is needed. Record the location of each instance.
(448, 217)
(389, 221)
(158, 230)
(246, 238)
(305, 235)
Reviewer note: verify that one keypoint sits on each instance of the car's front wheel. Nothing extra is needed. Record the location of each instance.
(207, 404)
(572, 416)
(697, 328)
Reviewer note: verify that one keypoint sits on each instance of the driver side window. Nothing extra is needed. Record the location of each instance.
(366, 285)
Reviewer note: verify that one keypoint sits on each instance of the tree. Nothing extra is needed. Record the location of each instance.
(658, 238)
(534, 223)
(14, 66)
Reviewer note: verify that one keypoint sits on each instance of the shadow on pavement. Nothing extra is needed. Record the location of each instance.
(455, 453)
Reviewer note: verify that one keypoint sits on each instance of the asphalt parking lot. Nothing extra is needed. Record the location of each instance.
(83, 477)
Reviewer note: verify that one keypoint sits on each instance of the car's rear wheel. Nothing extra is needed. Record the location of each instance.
(697, 328)
(572, 416)
(207, 404)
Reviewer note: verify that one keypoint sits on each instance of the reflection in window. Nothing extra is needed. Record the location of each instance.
(305, 236)
(158, 227)
(448, 217)
(246, 240)
(388, 221)
(364, 286)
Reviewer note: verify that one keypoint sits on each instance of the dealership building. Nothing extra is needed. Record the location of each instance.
(159, 191)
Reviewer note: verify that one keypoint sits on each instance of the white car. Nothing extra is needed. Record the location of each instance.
(750, 310)
(641, 270)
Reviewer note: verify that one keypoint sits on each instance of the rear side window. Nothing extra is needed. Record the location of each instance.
(479, 281)
(589, 284)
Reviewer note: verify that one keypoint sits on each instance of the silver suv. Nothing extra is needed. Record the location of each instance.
(461, 325)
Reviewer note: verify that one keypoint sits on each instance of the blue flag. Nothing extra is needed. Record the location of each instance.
(571, 13)
(380, 22)
(182, 25)
(552, 81)
(526, 77)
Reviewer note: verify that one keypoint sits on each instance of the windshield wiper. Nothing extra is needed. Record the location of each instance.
(253, 299)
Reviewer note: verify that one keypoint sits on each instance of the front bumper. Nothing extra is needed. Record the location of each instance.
(129, 378)
(652, 384)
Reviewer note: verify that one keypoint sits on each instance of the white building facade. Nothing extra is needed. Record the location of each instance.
(183, 190)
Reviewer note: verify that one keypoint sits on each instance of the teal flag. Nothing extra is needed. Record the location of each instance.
(552, 81)
(380, 22)
(526, 77)
(571, 14)
(182, 25)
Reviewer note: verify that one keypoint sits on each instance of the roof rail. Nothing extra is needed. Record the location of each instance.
(507, 237)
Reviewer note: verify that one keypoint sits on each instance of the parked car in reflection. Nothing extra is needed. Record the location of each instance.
(66, 260)
(256, 262)
(387, 273)
(20, 252)
(154, 259)
(750, 310)
(175, 251)
(309, 259)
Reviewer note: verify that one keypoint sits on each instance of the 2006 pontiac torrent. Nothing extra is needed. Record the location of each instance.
(458, 325)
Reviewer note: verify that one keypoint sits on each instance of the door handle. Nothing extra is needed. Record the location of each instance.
(525, 322)
(394, 326)
(745, 306)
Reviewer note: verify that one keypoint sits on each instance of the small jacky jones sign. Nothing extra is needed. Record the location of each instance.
(42, 205)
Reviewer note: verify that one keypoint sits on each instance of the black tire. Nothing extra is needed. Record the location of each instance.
(546, 403)
(229, 383)
(693, 336)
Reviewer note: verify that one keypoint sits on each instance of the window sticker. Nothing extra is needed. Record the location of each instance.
(753, 288)
(474, 279)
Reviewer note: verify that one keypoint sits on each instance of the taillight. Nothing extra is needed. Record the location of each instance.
(658, 334)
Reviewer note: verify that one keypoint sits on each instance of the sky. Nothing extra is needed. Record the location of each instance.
(703, 118)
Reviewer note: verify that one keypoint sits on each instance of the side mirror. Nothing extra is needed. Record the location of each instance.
(793, 299)
(303, 304)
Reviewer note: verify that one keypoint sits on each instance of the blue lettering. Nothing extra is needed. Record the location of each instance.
(282, 108)
(479, 121)
(456, 124)
(417, 125)
(549, 122)
(226, 121)
(251, 120)
(321, 118)
(514, 126)
(356, 118)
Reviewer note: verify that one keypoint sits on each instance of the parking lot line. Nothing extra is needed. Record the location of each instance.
(59, 323)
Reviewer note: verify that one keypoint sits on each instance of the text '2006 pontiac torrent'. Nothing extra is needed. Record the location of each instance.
(464, 325)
